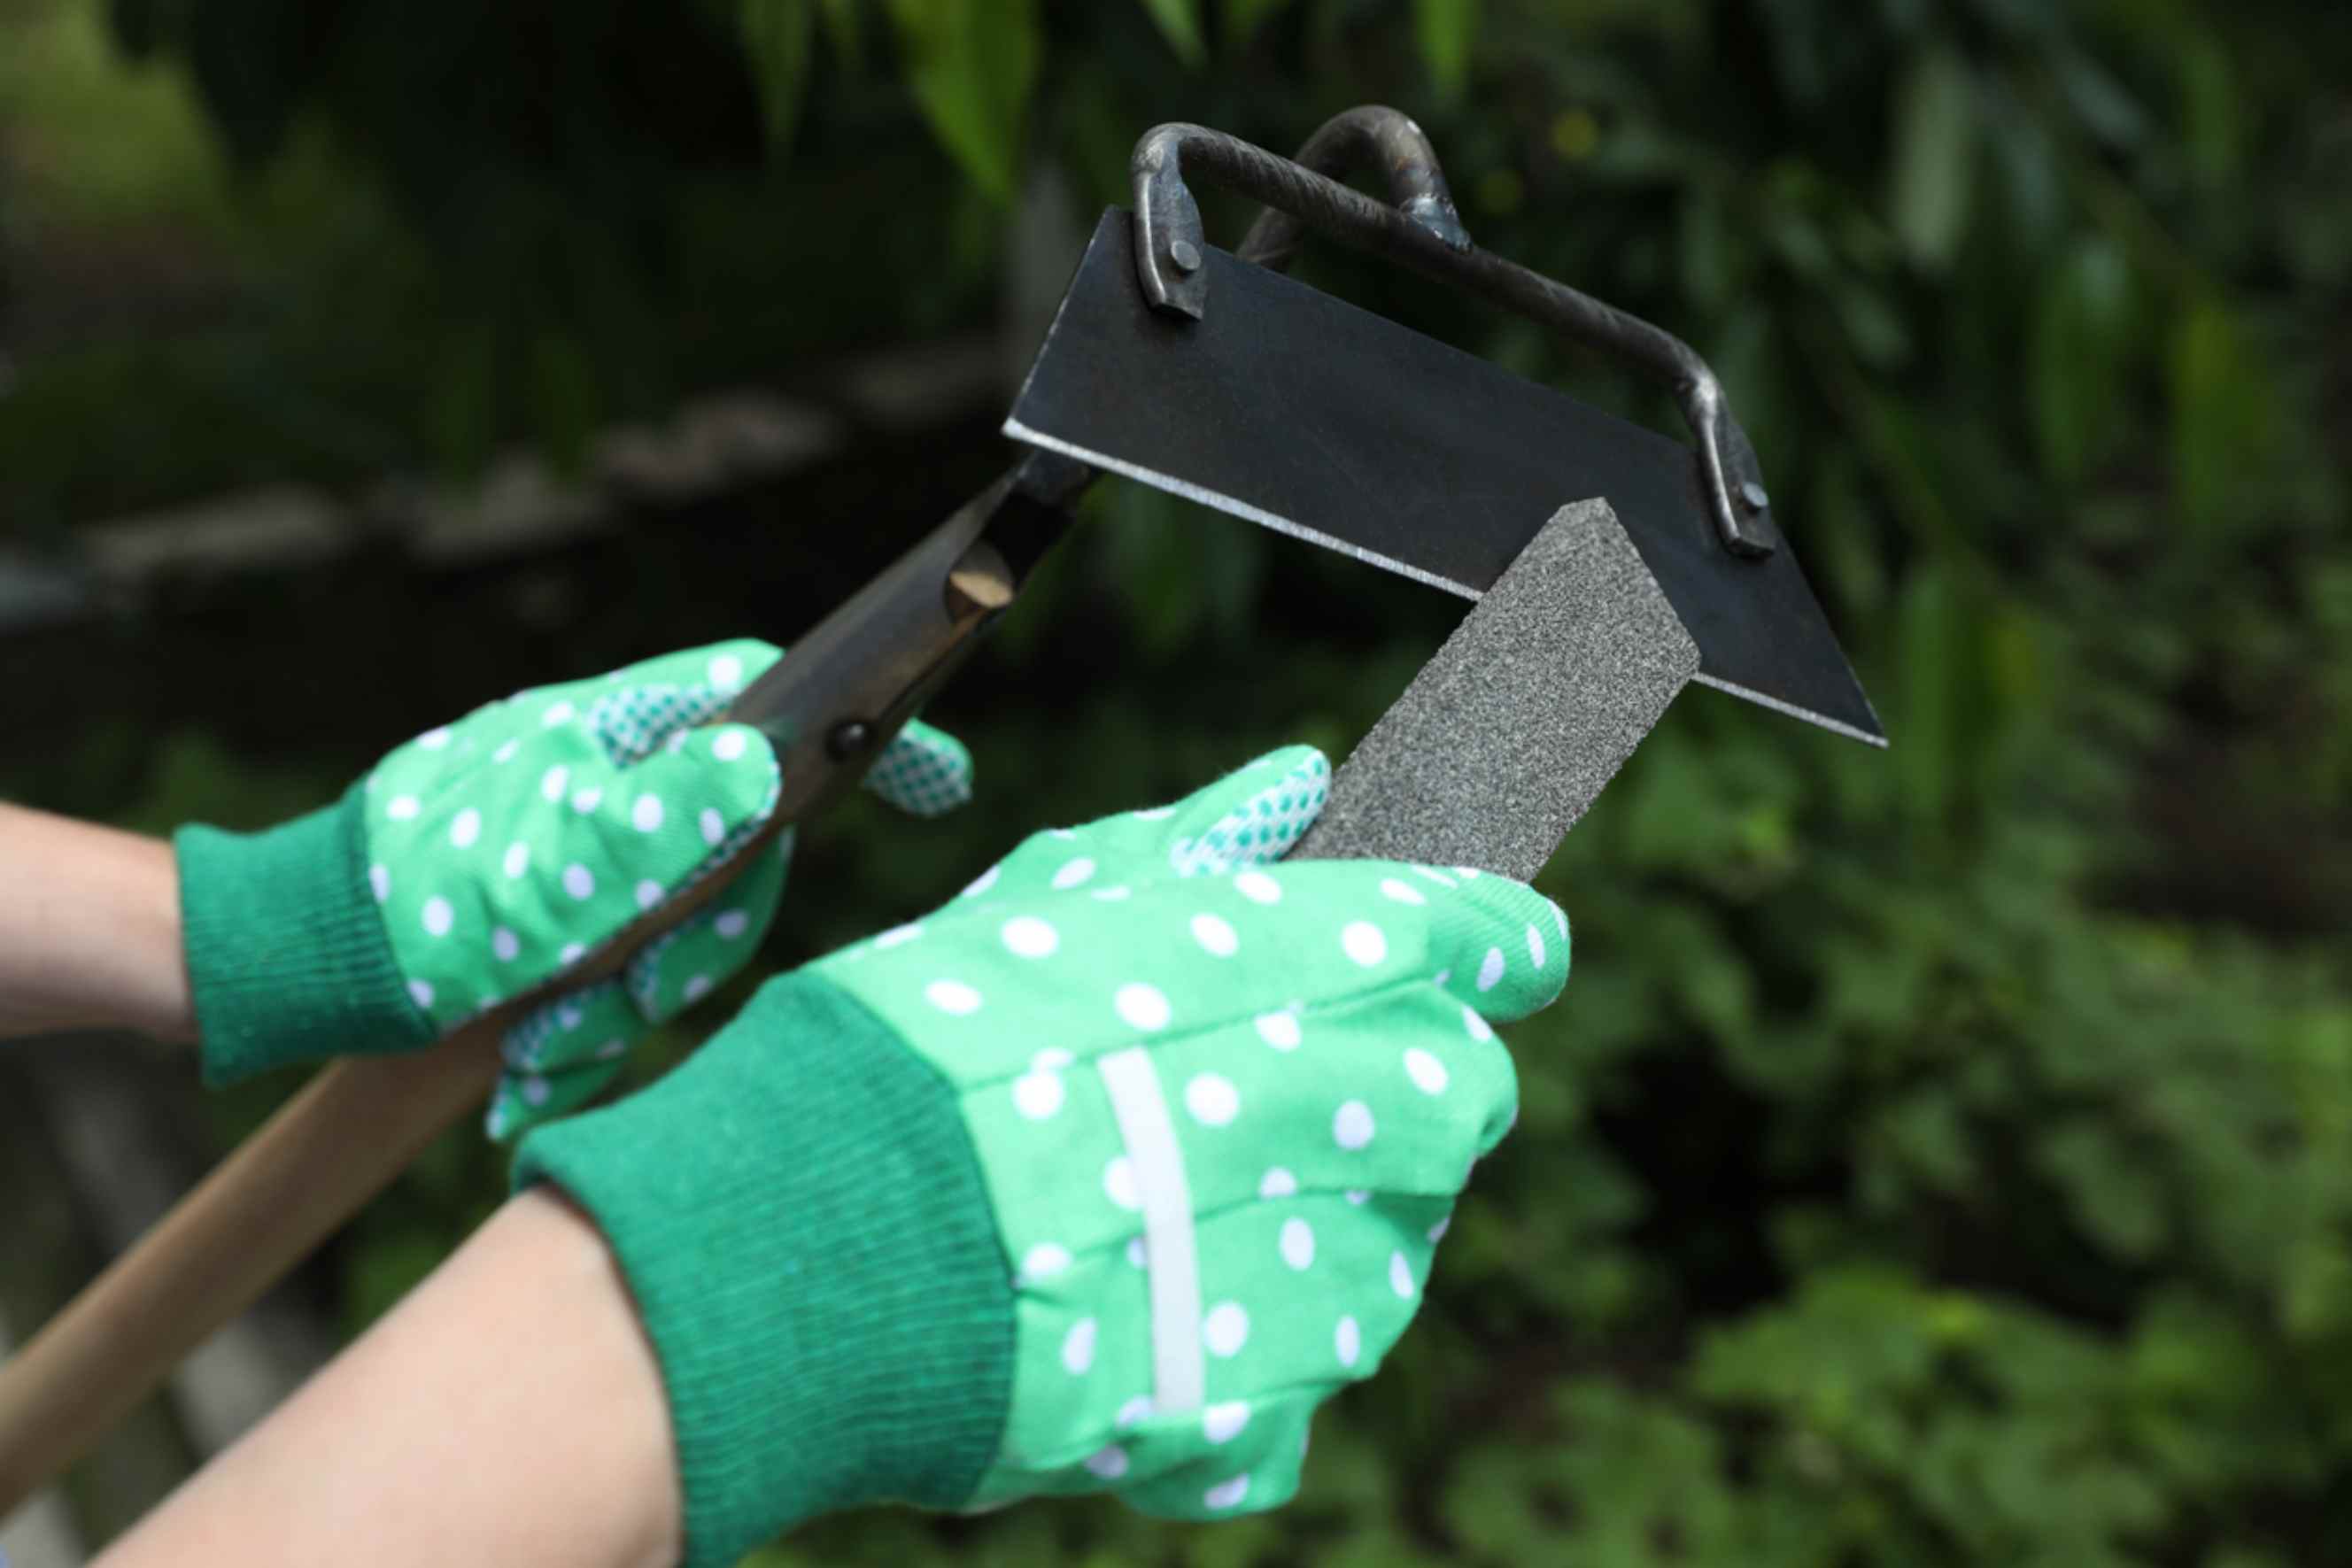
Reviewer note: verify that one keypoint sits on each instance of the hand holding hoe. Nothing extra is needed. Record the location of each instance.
(1609, 563)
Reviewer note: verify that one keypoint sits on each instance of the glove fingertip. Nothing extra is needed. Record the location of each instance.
(681, 966)
(500, 1121)
(523, 1101)
(1299, 757)
(1291, 783)
(924, 771)
(1497, 1127)
(516, 1105)
(1256, 1474)
(1505, 946)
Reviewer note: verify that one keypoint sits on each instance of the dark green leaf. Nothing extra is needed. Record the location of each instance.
(1707, 251)
(1242, 17)
(2080, 337)
(845, 24)
(2023, 152)
(971, 64)
(1447, 30)
(564, 393)
(778, 39)
(2104, 106)
(1180, 24)
(1872, 324)
(1932, 171)
(2214, 118)
(464, 413)
(1936, 644)
(2222, 406)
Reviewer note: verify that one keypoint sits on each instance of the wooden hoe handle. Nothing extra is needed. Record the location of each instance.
(288, 1187)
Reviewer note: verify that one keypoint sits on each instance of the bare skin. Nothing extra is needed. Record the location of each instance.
(89, 936)
(509, 1411)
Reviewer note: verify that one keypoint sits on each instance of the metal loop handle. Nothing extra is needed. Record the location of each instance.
(1370, 136)
(1170, 267)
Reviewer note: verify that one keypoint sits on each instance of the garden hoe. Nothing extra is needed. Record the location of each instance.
(1609, 564)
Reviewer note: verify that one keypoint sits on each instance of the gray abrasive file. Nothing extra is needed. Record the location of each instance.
(1509, 732)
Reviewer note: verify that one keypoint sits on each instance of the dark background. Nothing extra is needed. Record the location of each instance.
(1941, 1156)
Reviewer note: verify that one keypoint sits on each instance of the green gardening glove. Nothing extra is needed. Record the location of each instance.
(485, 859)
(1102, 1177)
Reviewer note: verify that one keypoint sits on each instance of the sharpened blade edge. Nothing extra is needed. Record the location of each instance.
(1282, 524)
(1224, 502)
(1836, 726)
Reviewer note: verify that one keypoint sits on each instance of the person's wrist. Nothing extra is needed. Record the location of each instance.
(94, 941)
(152, 995)
(554, 1254)
(806, 1234)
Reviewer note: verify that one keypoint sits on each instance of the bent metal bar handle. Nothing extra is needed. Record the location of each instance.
(828, 706)
(1168, 242)
(1370, 137)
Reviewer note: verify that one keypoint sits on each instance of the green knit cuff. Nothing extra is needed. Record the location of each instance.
(287, 957)
(804, 1221)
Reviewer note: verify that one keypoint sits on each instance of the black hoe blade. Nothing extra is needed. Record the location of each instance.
(1306, 413)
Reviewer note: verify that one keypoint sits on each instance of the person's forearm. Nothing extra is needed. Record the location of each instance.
(509, 1412)
(90, 930)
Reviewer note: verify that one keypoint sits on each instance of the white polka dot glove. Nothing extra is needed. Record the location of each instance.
(485, 859)
(1102, 1177)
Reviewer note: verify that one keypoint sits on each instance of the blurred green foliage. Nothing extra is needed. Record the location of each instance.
(1940, 1156)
